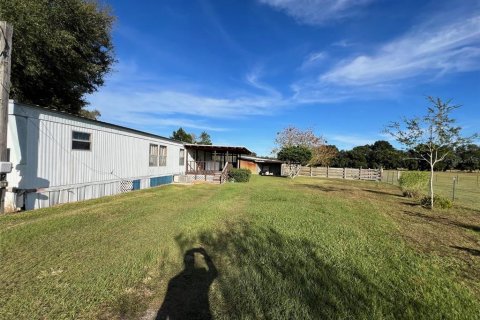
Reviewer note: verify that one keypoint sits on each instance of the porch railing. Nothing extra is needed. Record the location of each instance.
(224, 175)
(203, 167)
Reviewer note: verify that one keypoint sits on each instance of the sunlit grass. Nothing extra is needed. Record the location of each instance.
(307, 248)
(465, 190)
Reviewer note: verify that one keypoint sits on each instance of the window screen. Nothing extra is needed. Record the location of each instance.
(181, 160)
(153, 155)
(163, 156)
(81, 140)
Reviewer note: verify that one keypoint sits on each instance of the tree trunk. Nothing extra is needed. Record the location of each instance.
(431, 186)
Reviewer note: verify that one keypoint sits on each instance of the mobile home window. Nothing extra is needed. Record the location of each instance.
(153, 155)
(181, 160)
(163, 156)
(81, 140)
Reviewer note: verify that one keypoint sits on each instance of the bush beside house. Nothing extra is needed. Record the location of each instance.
(239, 175)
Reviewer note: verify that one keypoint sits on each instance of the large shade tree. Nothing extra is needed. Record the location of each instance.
(431, 137)
(61, 51)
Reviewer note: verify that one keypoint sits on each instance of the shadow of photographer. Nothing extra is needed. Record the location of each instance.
(187, 293)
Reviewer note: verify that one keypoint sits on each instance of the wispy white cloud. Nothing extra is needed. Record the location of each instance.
(313, 59)
(168, 102)
(448, 47)
(427, 52)
(140, 99)
(152, 120)
(253, 79)
(318, 11)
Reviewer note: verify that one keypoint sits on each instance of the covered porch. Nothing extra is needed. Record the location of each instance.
(211, 159)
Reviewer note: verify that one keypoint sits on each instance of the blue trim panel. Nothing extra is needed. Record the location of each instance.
(136, 185)
(157, 181)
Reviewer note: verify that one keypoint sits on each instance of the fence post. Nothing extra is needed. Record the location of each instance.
(327, 175)
(360, 173)
(344, 173)
(453, 193)
(311, 171)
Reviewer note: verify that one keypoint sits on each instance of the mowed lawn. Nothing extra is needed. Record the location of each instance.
(272, 248)
(467, 186)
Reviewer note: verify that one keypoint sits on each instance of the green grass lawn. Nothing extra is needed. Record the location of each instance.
(275, 248)
(467, 186)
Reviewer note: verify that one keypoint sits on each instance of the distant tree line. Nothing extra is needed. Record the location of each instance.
(383, 154)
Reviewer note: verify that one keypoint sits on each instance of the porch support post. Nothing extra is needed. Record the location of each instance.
(196, 165)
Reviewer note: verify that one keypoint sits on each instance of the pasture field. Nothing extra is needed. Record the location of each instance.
(273, 248)
(467, 186)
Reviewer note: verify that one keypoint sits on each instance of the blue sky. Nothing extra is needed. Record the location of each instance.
(243, 70)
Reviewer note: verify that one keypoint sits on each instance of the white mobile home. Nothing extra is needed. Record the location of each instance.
(59, 157)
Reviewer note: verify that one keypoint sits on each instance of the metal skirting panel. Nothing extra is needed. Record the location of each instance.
(45, 198)
(136, 184)
(157, 181)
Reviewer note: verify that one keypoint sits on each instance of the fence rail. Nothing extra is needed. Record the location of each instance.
(342, 173)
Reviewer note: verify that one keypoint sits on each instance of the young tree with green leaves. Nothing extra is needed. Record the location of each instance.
(62, 50)
(431, 137)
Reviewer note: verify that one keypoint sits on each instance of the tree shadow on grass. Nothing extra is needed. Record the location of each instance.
(442, 220)
(393, 194)
(187, 293)
(323, 188)
(266, 274)
(331, 188)
(473, 252)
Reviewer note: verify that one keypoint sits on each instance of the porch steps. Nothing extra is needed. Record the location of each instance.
(217, 177)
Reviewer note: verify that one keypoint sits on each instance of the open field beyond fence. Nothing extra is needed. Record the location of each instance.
(273, 248)
(463, 186)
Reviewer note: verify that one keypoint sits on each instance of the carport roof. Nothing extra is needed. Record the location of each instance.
(261, 160)
(213, 148)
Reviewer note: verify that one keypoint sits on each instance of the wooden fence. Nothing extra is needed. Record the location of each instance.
(342, 173)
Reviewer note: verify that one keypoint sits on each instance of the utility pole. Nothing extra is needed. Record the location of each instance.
(6, 32)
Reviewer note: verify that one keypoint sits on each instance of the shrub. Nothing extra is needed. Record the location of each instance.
(239, 175)
(438, 201)
(414, 183)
